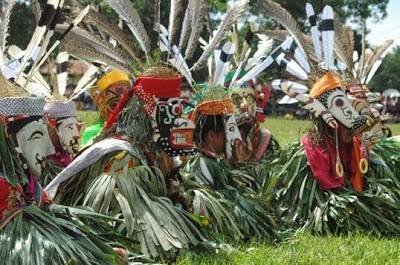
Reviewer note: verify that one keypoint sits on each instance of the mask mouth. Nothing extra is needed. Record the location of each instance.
(40, 161)
(74, 145)
(181, 139)
(244, 118)
(181, 135)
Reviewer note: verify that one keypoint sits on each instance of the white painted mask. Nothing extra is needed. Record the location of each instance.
(35, 145)
(68, 131)
(338, 104)
(232, 133)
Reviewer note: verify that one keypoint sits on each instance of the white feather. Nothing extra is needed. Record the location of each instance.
(87, 77)
(175, 57)
(328, 39)
(264, 46)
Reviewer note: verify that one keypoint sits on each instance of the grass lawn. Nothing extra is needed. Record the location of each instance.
(306, 249)
(301, 249)
(286, 131)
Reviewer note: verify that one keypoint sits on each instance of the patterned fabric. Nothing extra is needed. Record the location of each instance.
(215, 107)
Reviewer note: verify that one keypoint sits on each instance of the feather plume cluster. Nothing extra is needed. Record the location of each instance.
(231, 17)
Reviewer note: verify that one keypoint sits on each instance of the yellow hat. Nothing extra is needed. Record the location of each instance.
(110, 78)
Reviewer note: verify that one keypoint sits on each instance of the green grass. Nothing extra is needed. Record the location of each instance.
(306, 249)
(286, 131)
(302, 249)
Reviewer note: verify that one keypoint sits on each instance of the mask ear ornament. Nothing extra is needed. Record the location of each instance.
(339, 165)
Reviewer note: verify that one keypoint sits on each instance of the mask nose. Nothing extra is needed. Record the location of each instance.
(243, 106)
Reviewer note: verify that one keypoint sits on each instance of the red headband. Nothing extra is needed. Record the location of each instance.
(145, 88)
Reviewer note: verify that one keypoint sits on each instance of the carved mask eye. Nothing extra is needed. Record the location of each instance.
(339, 102)
(176, 109)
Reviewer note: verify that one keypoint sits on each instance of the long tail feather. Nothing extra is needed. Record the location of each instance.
(315, 33)
(185, 31)
(232, 15)
(62, 72)
(129, 14)
(276, 55)
(88, 53)
(75, 22)
(223, 62)
(174, 19)
(289, 65)
(36, 10)
(328, 36)
(298, 54)
(46, 21)
(199, 11)
(344, 42)
(82, 36)
(104, 24)
(175, 58)
(157, 6)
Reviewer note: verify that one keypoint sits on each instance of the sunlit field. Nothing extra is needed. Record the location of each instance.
(286, 131)
(300, 249)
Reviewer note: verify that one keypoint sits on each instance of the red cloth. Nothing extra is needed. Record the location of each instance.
(160, 87)
(322, 161)
(11, 202)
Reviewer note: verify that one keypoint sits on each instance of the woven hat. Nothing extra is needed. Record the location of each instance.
(16, 102)
(59, 110)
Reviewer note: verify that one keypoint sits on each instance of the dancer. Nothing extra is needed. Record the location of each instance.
(324, 184)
